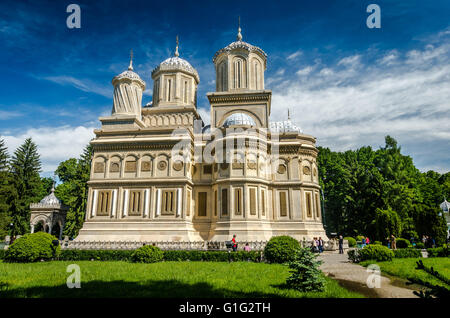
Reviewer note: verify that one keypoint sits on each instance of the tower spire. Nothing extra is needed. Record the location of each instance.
(289, 115)
(130, 67)
(176, 49)
(239, 35)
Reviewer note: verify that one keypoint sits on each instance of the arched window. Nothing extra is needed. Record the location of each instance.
(239, 73)
(185, 95)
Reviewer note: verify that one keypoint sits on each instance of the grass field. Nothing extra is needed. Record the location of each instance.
(405, 268)
(166, 279)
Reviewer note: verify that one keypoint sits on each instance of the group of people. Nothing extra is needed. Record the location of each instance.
(428, 241)
(234, 245)
(317, 245)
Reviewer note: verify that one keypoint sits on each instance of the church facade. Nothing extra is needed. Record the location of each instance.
(159, 174)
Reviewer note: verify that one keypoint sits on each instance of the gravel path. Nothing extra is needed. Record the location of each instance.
(354, 277)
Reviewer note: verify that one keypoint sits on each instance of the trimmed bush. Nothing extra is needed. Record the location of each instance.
(407, 253)
(32, 247)
(420, 245)
(438, 252)
(147, 254)
(378, 243)
(305, 273)
(402, 243)
(281, 249)
(212, 256)
(351, 241)
(98, 255)
(376, 252)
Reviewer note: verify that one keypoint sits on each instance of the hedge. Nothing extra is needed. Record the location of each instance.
(402, 243)
(407, 253)
(351, 241)
(147, 254)
(376, 252)
(170, 255)
(438, 252)
(2, 254)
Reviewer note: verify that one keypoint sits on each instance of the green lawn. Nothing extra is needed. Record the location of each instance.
(165, 279)
(405, 268)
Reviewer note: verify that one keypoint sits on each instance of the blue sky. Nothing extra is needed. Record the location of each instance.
(346, 84)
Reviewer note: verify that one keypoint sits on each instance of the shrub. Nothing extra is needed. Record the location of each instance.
(2, 254)
(359, 238)
(402, 243)
(212, 256)
(281, 249)
(147, 254)
(420, 245)
(376, 252)
(305, 273)
(32, 247)
(353, 255)
(351, 241)
(98, 255)
(407, 253)
(438, 252)
(377, 243)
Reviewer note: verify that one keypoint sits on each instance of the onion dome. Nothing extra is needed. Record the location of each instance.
(176, 63)
(239, 119)
(239, 44)
(129, 75)
(286, 126)
(50, 201)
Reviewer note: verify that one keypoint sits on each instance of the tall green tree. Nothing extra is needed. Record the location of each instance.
(26, 185)
(4, 190)
(74, 174)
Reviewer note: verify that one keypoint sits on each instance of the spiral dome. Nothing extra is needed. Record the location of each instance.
(176, 63)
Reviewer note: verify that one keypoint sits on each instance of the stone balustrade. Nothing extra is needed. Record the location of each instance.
(173, 245)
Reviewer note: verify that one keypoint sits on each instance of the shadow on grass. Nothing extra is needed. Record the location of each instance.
(154, 289)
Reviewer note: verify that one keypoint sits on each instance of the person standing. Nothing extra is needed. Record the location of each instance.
(247, 247)
(233, 240)
(367, 241)
(320, 245)
(341, 244)
(393, 242)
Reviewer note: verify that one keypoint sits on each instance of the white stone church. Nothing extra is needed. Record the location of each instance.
(264, 183)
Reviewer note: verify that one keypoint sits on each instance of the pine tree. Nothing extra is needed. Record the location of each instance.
(4, 190)
(26, 184)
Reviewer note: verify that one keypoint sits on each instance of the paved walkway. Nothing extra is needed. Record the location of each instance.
(354, 277)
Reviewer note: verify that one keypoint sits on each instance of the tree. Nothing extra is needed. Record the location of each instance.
(74, 173)
(4, 190)
(387, 223)
(26, 185)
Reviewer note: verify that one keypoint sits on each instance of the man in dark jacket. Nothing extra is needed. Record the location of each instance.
(341, 244)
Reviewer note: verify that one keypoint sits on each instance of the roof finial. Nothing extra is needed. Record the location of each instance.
(239, 35)
(53, 183)
(130, 67)
(176, 49)
(289, 115)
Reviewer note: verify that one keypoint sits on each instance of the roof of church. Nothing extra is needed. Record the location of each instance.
(176, 63)
(239, 44)
(284, 127)
(50, 201)
(239, 119)
(129, 74)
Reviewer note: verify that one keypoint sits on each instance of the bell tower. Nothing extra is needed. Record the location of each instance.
(240, 70)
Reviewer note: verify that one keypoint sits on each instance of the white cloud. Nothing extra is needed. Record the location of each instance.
(349, 108)
(55, 144)
(84, 85)
(4, 115)
(304, 71)
(294, 55)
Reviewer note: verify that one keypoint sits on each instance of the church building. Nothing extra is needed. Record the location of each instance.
(262, 180)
